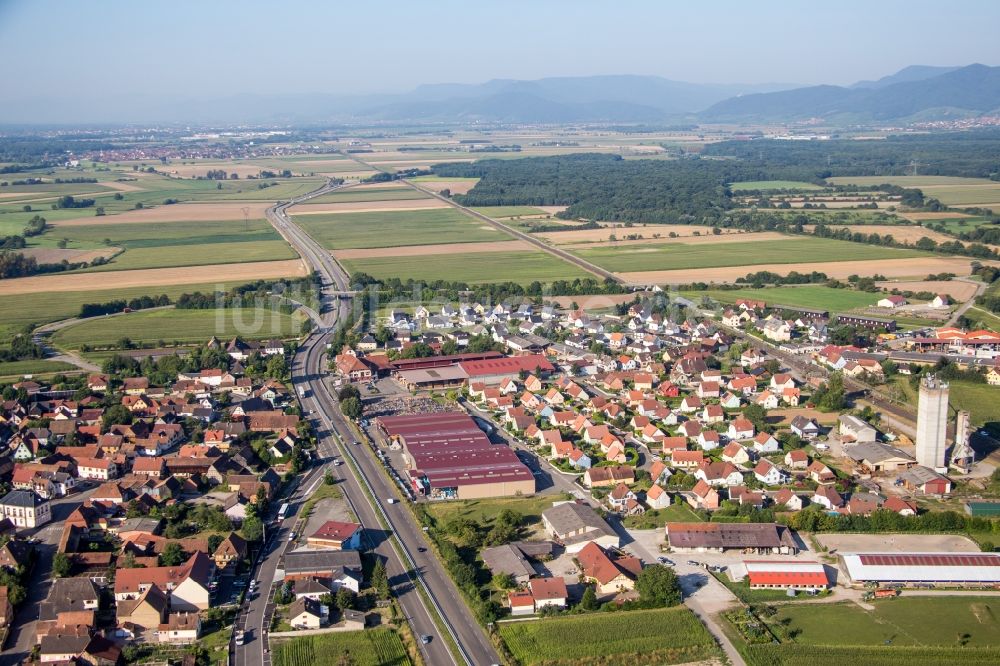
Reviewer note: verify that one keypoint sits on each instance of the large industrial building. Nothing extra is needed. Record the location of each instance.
(449, 457)
(493, 370)
(923, 568)
(932, 423)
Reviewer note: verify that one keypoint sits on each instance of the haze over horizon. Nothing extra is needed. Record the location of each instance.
(188, 50)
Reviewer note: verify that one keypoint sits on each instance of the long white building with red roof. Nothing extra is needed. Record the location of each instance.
(924, 568)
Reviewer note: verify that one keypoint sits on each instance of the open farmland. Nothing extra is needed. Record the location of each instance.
(453, 185)
(422, 250)
(355, 230)
(385, 193)
(189, 212)
(497, 212)
(959, 290)
(692, 233)
(34, 368)
(168, 256)
(372, 647)
(806, 296)
(891, 268)
(663, 636)
(368, 206)
(953, 191)
(522, 267)
(790, 250)
(171, 325)
(153, 279)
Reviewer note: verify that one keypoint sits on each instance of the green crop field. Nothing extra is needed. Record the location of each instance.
(952, 191)
(792, 250)
(772, 185)
(372, 647)
(159, 234)
(196, 255)
(956, 226)
(521, 267)
(373, 194)
(509, 211)
(662, 636)
(172, 325)
(806, 296)
(44, 307)
(393, 229)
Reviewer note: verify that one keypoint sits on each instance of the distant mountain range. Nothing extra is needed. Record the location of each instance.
(914, 93)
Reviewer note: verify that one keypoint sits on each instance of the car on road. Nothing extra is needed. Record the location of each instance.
(693, 563)
(240, 638)
(391, 500)
(664, 560)
(291, 536)
(421, 549)
(425, 639)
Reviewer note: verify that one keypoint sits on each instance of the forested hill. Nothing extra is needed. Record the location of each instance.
(607, 187)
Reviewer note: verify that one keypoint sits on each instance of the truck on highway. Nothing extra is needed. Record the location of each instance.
(302, 391)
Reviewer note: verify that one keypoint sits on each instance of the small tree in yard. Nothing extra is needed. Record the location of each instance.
(503, 581)
(60, 565)
(172, 555)
(344, 598)
(380, 580)
(589, 599)
(657, 585)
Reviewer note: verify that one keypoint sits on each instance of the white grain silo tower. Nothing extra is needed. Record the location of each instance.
(932, 423)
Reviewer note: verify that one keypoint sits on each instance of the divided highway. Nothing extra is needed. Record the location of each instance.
(367, 489)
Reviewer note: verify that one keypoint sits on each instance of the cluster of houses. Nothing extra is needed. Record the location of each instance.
(197, 441)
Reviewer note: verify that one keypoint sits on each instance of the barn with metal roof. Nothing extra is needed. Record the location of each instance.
(924, 568)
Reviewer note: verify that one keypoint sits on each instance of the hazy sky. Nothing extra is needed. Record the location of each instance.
(221, 47)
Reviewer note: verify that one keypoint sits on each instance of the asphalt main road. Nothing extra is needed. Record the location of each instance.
(407, 559)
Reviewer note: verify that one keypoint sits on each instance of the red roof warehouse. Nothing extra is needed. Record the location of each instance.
(494, 369)
(451, 458)
(785, 574)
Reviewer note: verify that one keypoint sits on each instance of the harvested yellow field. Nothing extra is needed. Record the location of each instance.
(685, 231)
(892, 268)
(181, 212)
(153, 277)
(368, 206)
(453, 186)
(19, 195)
(957, 289)
(392, 184)
(443, 248)
(595, 301)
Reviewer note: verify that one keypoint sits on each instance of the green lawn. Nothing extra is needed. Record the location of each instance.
(484, 510)
(985, 319)
(808, 296)
(903, 621)
(773, 185)
(657, 518)
(372, 647)
(370, 194)
(679, 255)
(508, 211)
(393, 229)
(473, 268)
(663, 636)
(178, 326)
(791, 654)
